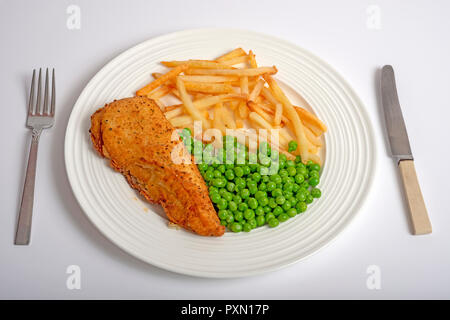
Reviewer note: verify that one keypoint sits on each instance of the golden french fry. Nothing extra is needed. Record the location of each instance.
(269, 96)
(159, 92)
(243, 110)
(312, 137)
(232, 54)
(263, 123)
(181, 121)
(204, 64)
(252, 60)
(244, 85)
(278, 114)
(228, 119)
(307, 116)
(292, 115)
(174, 113)
(218, 116)
(236, 60)
(209, 78)
(212, 100)
(256, 90)
(161, 80)
(233, 72)
(189, 105)
(159, 103)
(208, 87)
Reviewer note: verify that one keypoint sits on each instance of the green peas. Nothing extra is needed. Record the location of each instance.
(298, 159)
(251, 184)
(269, 216)
(223, 214)
(267, 209)
(253, 189)
(256, 176)
(208, 176)
(249, 214)
(265, 178)
(272, 203)
(283, 217)
(295, 188)
(229, 218)
(273, 222)
(238, 216)
(316, 193)
(230, 186)
(301, 207)
(281, 163)
(262, 186)
(292, 146)
(246, 170)
(217, 174)
(304, 185)
(263, 201)
(222, 204)
(242, 206)
(313, 174)
(236, 227)
(290, 163)
(288, 187)
(245, 193)
(286, 206)
(252, 223)
(237, 198)
(259, 195)
(215, 197)
(227, 196)
(229, 174)
(309, 199)
(275, 178)
(238, 171)
(260, 221)
(271, 185)
(280, 200)
(291, 170)
(232, 206)
(252, 203)
(314, 181)
(247, 227)
(283, 173)
(202, 167)
(240, 183)
(219, 182)
(291, 199)
(222, 191)
(299, 178)
(301, 195)
(223, 222)
(259, 211)
(314, 167)
(292, 212)
(277, 192)
(277, 211)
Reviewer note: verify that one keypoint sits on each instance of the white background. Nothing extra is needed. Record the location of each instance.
(413, 38)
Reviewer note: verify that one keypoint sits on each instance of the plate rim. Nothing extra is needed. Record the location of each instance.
(328, 240)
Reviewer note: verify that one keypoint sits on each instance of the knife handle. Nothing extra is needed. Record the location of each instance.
(417, 210)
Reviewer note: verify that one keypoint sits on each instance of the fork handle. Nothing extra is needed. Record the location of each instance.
(26, 207)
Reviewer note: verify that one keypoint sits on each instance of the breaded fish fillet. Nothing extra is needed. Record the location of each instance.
(136, 137)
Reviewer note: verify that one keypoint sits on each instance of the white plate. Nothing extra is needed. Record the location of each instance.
(141, 229)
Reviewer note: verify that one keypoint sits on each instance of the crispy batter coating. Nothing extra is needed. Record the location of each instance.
(136, 137)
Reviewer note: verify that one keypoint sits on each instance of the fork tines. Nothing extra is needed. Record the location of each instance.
(48, 109)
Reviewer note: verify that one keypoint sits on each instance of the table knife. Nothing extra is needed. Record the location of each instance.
(401, 152)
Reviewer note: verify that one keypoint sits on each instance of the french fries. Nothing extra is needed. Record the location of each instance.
(161, 80)
(249, 72)
(224, 97)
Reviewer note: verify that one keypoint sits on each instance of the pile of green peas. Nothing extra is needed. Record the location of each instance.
(244, 195)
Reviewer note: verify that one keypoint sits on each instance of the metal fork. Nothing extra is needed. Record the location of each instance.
(39, 118)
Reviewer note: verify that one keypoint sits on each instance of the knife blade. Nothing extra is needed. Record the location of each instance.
(395, 125)
(401, 151)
